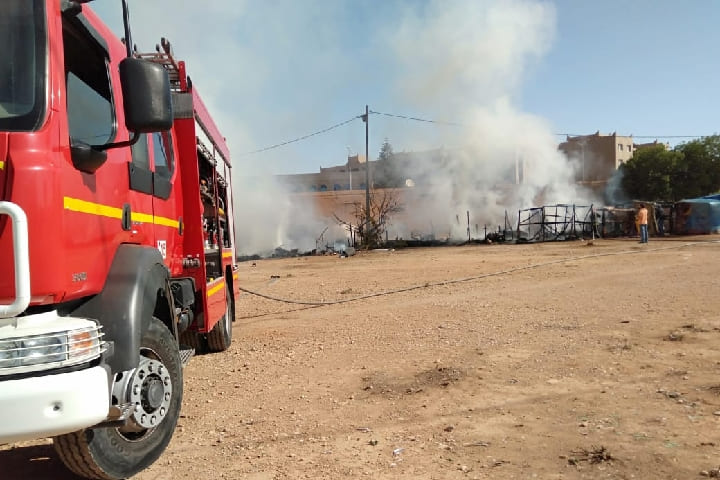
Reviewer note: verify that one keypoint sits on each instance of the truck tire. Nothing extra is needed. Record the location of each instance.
(193, 340)
(117, 453)
(220, 337)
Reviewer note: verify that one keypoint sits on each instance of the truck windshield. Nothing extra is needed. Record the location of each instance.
(22, 64)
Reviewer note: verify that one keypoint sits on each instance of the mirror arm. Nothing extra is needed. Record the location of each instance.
(127, 143)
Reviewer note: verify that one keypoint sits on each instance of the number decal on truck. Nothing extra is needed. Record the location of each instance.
(162, 246)
(79, 277)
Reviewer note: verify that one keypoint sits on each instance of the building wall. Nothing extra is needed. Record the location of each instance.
(350, 176)
(638, 146)
(597, 156)
(419, 217)
(335, 194)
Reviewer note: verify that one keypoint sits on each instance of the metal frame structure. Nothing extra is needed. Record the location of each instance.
(556, 222)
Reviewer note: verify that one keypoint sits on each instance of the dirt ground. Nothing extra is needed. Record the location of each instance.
(552, 361)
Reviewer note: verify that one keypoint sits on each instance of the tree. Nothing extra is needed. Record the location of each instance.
(387, 173)
(372, 226)
(386, 152)
(648, 174)
(699, 172)
(690, 170)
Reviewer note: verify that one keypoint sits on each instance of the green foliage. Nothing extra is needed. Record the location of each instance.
(647, 175)
(690, 170)
(386, 173)
(699, 173)
(386, 152)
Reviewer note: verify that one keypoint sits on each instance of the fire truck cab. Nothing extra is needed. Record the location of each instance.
(117, 255)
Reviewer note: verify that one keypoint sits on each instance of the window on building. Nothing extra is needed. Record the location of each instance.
(620, 147)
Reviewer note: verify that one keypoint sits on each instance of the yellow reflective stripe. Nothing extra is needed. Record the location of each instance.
(2, 164)
(215, 289)
(227, 255)
(76, 205)
(82, 206)
(141, 217)
(166, 222)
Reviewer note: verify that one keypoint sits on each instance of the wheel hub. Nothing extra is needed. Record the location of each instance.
(153, 392)
(150, 392)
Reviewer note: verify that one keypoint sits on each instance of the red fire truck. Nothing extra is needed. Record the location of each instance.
(117, 255)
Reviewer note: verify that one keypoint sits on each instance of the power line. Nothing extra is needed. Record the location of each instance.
(417, 119)
(427, 120)
(455, 124)
(635, 136)
(277, 145)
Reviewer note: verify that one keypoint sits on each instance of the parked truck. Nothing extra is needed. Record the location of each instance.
(117, 255)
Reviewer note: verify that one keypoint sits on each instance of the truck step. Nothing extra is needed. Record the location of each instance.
(186, 354)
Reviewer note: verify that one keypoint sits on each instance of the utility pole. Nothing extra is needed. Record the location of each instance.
(468, 223)
(366, 119)
(349, 166)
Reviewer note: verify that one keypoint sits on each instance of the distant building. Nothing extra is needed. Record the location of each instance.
(405, 169)
(597, 156)
(639, 146)
(350, 176)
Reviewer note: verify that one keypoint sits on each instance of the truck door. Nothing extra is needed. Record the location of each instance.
(167, 201)
(141, 184)
(152, 172)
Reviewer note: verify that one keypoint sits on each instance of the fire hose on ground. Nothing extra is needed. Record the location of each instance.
(474, 277)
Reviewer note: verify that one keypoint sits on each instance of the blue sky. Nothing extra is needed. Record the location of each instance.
(277, 70)
(643, 67)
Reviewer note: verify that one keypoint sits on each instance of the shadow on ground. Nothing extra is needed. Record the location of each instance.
(36, 462)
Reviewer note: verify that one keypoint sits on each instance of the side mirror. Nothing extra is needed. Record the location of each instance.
(86, 158)
(146, 96)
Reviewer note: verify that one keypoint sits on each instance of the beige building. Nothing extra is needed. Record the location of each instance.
(350, 176)
(597, 156)
(638, 146)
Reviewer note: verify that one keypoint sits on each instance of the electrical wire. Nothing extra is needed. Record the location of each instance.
(277, 145)
(636, 136)
(475, 277)
(424, 120)
(417, 119)
(455, 124)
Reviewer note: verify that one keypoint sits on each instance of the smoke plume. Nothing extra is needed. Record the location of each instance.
(466, 61)
(269, 71)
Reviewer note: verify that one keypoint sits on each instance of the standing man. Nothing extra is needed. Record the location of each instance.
(642, 217)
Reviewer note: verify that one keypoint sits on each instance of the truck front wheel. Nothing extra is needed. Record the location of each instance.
(155, 390)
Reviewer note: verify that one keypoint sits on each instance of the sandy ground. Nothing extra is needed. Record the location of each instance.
(557, 360)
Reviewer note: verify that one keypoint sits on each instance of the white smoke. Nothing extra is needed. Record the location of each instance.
(465, 61)
(235, 51)
(270, 71)
(268, 217)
